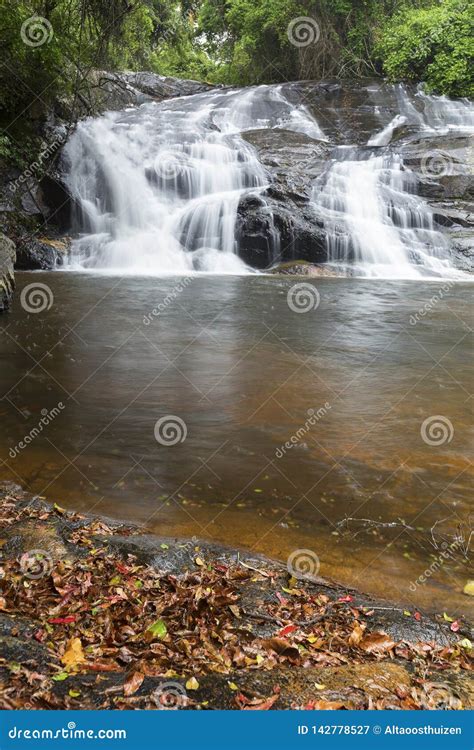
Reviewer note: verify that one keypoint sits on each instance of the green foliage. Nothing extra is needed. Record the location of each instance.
(434, 44)
(229, 41)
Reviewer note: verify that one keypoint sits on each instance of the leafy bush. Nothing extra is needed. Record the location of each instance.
(434, 44)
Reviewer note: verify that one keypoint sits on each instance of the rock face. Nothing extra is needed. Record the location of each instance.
(7, 282)
(40, 254)
(282, 224)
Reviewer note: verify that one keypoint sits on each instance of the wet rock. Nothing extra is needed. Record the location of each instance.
(7, 281)
(40, 254)
(300, 268)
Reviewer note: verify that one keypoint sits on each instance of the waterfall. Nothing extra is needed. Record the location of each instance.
(375, 224)
(157, 188)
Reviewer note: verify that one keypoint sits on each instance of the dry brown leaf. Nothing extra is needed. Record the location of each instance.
(132, 683)
(357, 633)
(377, 643)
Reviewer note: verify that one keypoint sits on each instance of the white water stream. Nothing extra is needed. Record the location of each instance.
(157, 188)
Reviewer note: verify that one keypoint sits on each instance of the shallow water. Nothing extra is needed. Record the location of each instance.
(241, 369)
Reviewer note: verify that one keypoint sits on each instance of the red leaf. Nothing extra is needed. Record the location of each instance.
(455, 626)
(62, 620)
(281, 598)
(417, 616)
(288, 629)
(347, 598)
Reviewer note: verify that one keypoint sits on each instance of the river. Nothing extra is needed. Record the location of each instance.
(367, 382)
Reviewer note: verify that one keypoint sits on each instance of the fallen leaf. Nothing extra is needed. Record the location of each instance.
(469, 588)
(157, 629)
(288, 629)
(325, 705)
(74, 655)
(62, 620)
(232, 686)
(377, 643)
(281, 646)
(192, 684)
(132, 683)
(455, 626)
(357, 634)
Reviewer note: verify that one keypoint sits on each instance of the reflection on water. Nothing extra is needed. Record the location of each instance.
(245, 373)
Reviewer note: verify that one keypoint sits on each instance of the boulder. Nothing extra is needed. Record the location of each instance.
(40, 254)
(7, 281)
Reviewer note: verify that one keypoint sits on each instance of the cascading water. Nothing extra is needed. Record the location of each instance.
(157, 188)
(375, 223)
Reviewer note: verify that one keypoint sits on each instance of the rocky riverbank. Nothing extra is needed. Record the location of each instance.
(35, 206)
(97, 614)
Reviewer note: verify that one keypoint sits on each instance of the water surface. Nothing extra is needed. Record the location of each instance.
(244, 372)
